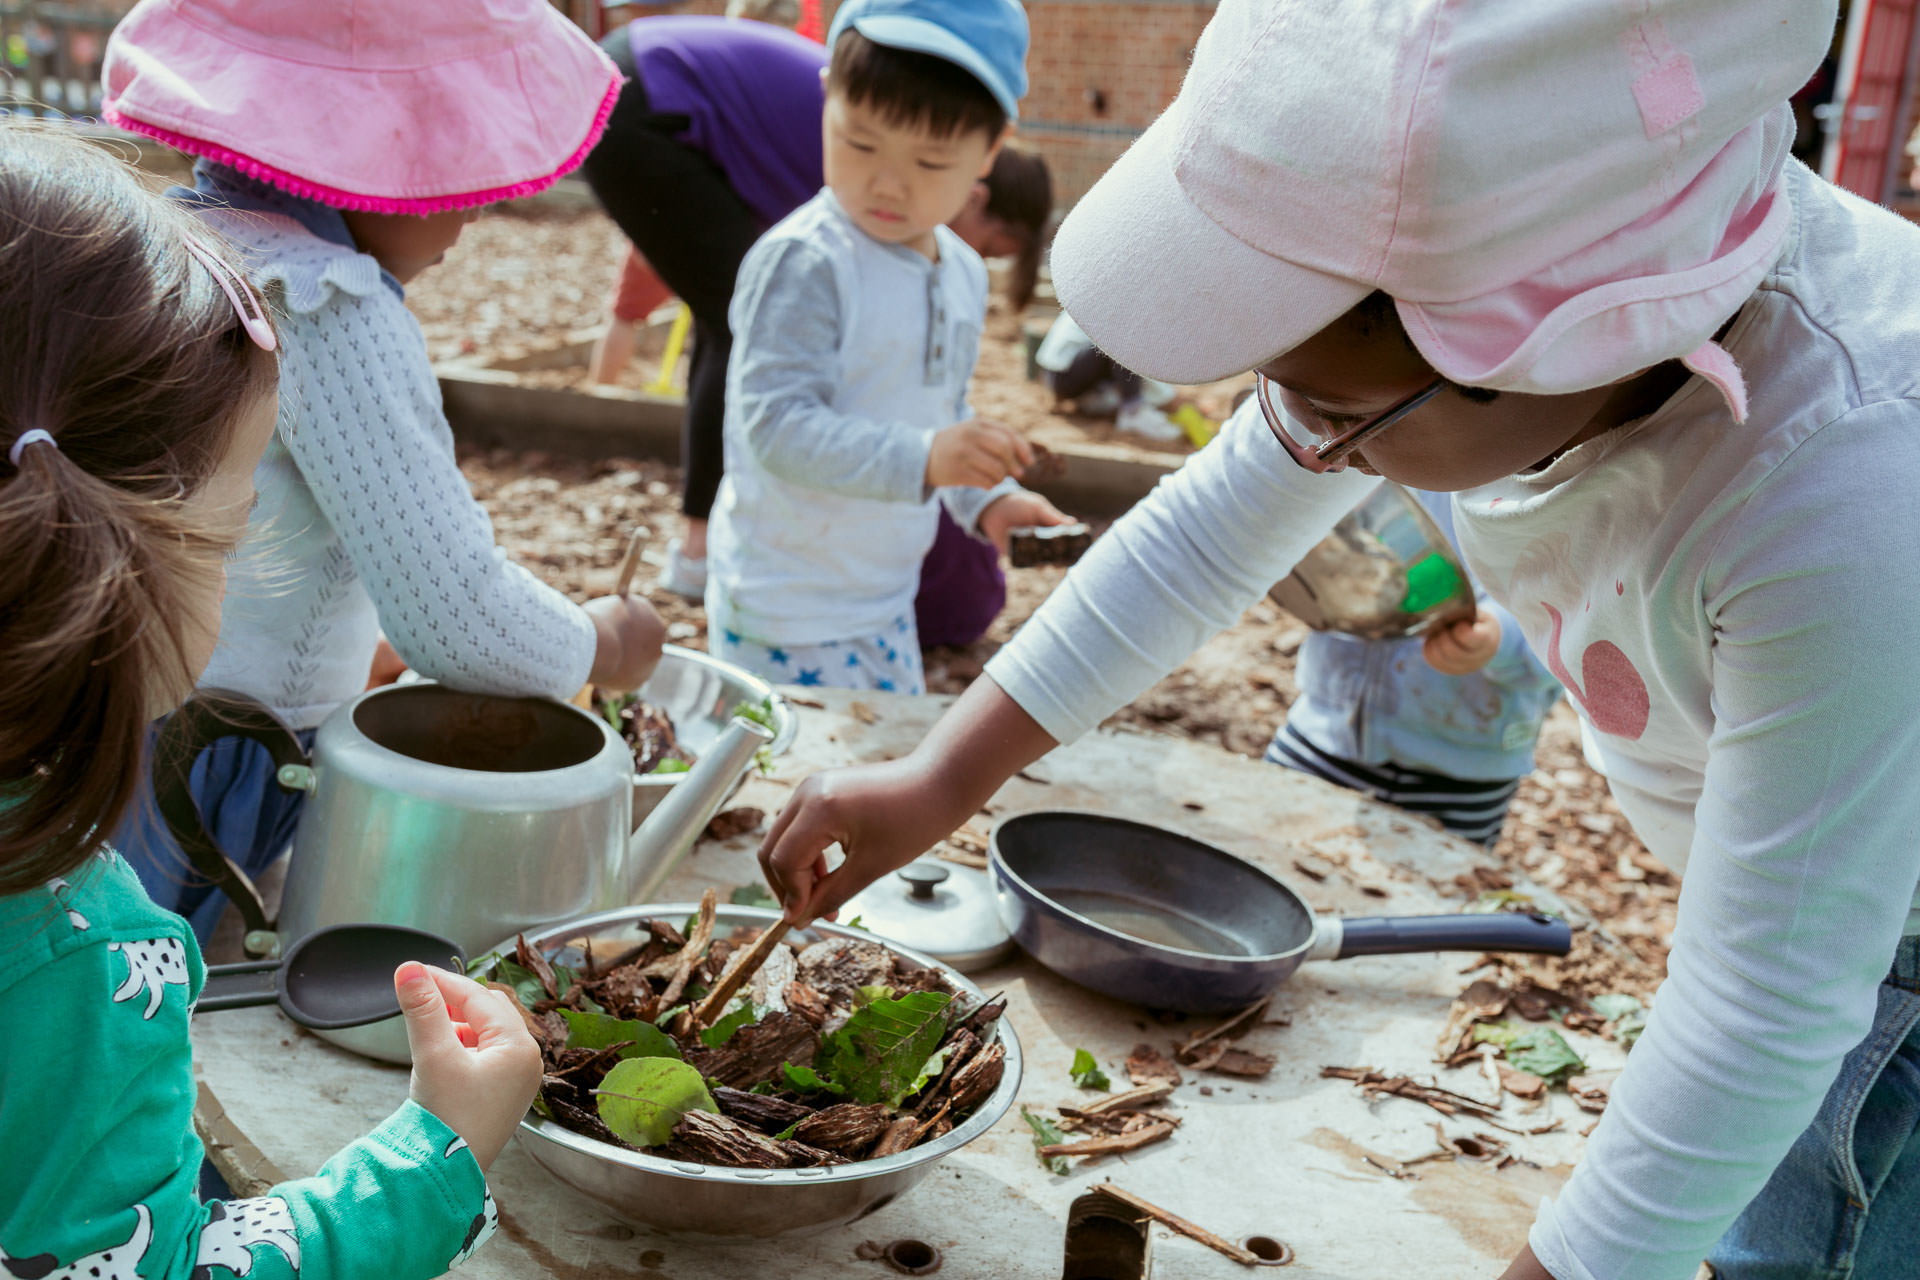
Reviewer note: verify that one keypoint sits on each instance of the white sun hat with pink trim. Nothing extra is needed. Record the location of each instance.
(390, 106)
(1556, 193)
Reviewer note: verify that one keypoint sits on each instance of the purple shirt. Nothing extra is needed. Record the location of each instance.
(752, 91)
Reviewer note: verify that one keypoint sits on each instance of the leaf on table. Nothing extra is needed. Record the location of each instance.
(1626, 1013)
(1521, 1084)
(1086, 1072)
(1046, 1134)
(742, 1014)
(884, 1047)
(643, 1098)
(602, 1030)
(753, 895)
(1540, 1051)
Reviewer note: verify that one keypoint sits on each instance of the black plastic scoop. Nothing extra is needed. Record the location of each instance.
(337, 977)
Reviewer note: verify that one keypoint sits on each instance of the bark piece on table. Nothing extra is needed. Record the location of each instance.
(1147, 1066)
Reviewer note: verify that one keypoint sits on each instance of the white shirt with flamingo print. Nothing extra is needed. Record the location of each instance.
(1734, 609)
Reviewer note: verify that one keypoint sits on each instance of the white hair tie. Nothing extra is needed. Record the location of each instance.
(33, 435)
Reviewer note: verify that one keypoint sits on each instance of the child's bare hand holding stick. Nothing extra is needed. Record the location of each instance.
(629, 631)
(977, 453)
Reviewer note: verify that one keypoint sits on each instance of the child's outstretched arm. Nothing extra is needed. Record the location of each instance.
(1184, 564)
(102, 1168)
(787, 317)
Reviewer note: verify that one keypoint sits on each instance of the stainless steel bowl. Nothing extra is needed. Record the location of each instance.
(700, 692)
(705, 1202)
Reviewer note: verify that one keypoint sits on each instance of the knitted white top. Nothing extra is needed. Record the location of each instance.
(365, 522)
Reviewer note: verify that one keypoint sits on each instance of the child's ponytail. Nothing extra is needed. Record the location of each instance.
(123, 350)
(1020, 194)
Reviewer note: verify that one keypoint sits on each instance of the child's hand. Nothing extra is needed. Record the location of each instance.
(388, 665)
(474, 1065)
(883, 815)
(978, 454)
(630, 635)
(1462, 648)
(1017, 511)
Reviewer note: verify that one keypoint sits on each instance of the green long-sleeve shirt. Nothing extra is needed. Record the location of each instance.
(100, 1175)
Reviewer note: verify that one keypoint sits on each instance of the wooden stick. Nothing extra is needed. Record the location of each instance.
(1110, 1145)
(1239, 1019)
(1175, 1222)
(689, 955)
(1132, 1100)
(739, 973)
(628, 564)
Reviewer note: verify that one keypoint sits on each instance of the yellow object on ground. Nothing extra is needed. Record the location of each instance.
(1198, 426)
(670, 358)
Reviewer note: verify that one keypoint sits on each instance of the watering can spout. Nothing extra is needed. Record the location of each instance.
(659, 843)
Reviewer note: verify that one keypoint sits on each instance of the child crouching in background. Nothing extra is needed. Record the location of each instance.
(856, 323)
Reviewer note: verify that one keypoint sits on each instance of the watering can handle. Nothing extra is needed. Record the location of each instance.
(207, 717)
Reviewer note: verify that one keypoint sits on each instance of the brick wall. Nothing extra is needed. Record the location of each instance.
(1098, 74)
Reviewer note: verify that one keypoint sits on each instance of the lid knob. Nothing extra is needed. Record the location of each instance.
(922, 878)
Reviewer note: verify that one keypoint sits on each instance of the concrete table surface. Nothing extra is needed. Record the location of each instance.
(1292, 1156)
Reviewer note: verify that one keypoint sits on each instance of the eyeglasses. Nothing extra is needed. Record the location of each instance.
(1330, 454)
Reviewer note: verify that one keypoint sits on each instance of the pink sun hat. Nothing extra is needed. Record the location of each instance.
(1556, 195)
(389, 106)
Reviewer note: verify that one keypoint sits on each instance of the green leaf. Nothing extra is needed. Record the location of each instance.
(935, 1065)
(864, 996)
(643, 1098)
(807, 1080)
(671, 1014)
(1086, 1072)
(1616, 1006)
(524, 983)
(611, 708)
(743, 1014)
(599, 1030)
(765, 1086)
(786, 1134)
(753, 895)
(1045, 1134)
(670, 765)
(479, 970)
(1501, 900)
(1626, 1013)
(877, 1055)
(855, 924)
(1539, 1050)
(540, 1105)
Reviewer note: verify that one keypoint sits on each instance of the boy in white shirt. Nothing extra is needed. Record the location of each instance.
(856, 322)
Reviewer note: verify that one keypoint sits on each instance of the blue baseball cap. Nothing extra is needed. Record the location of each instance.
(987, 38)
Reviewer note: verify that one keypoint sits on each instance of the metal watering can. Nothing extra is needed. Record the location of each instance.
(472, 816)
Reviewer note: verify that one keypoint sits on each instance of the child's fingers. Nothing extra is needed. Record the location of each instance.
(429, 1029)
(486, 1012)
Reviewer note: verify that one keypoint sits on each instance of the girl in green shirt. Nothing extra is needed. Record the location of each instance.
(137, 391)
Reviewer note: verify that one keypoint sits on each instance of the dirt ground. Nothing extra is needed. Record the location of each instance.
(518, 282)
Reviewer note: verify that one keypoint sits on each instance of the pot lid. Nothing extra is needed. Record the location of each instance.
(946, 911)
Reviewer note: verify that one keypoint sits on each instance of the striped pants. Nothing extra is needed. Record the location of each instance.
(1472, 810)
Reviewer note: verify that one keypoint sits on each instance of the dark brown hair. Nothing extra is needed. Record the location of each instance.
(909, 88)
(1377, 312)
(124, 347)
(1020, 194)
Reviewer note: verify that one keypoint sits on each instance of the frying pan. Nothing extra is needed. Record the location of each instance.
(1154, 917)
(334, 978)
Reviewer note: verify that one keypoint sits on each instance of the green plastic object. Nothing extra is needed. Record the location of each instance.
(1430, 580)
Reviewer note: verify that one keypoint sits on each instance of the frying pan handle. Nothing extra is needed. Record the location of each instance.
(207, 717)
(1497, 931)
(239, 986)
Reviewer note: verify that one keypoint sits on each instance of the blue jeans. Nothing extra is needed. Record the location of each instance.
(1845, 1203)
(246, 811)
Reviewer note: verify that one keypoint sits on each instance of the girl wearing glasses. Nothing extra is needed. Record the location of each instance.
(1556, 260)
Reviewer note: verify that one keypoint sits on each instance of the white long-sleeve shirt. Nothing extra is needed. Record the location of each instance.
(1733, 609)
(849, 355)
(365, 522)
